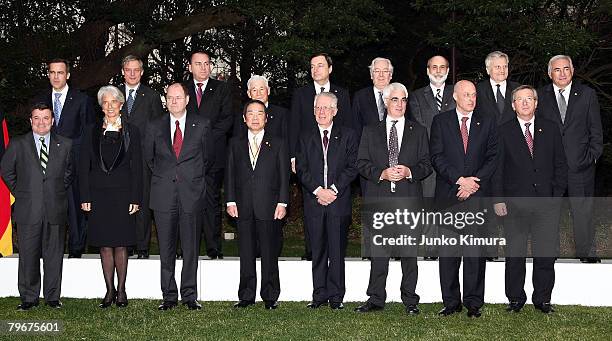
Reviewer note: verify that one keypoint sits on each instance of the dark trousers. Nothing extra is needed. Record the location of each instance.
(379, 268)
(143, 216)
(36, 241)
(77, 224)
(170, 225)
(212, 212)
(328, 235)
(580, 189)
(267, 234)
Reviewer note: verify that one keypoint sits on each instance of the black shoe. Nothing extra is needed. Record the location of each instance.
(514, 307)
(546, 308)
(220, 255)
(25, 306)
(430, 258)
(412, 309)
(75, 255)
(446, 311)
(368, 307)
(336, 305)
(397, 258)
(143, 254)
(243, 304)
(271, 305)
(55, 304)
(315, 304)
(167, 305)
(193, 305)
(212, 254)
(108, 300)
(492, 259)
(366, 258)
(590, 260)
(122, 300)
(130, 252)
(307, 257)
(473, 312)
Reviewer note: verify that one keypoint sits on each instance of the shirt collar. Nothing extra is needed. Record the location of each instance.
(460, 115)
(329, 129)
(434, 88)
(259, 134)
(318, 87)
(494, 83)
(63, 92)
(568, 89)
(204, 84)
(522, 122)
(37, 137)
(181, 120)
(399, 120)
(128, 88)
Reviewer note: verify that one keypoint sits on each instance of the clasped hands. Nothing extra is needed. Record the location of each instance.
(467, 186)
(279, 213)
(396, 173)
(326, 196)
(86, 206)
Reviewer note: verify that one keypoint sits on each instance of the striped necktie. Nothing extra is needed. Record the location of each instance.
(438, 100)
(44, 155)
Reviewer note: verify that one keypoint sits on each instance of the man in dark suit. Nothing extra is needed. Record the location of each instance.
(575, 108)
(301, 117)
(176, 149)
(257, 193)
(210, 99)
(72, 112)
(326, 166)
(425, 103)
(531, 171)
(394, 158)
(142, 105)
(463, 149)
(37, 169)
(368, 103)
(495, 98)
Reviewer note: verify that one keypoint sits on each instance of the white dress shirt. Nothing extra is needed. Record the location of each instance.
(522, 123)
(565, 94)
(435, 90)
(325, 169)
(502, 87)
(62, 98)
(317, 86)
(181, 124)
(468, 122)
(38, 144)
(204, 84)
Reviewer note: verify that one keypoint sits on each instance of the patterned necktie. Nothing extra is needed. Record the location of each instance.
(529, 138)
(130, 101)
(322, 89)
(438, 100)
(57, 108)
(325, 139)
(464, 133)
(177, 144)
(44, 155)
(254, 151)
(393, 145)
(199, 93)
(562, 105)
(381, 106)
(500, 100)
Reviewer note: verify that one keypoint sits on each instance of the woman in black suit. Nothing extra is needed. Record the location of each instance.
(110, 180)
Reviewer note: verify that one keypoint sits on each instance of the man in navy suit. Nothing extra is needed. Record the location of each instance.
(302, 119)
(531, 171)
(210, 99)
(463, 149)
(326, 166)
(575, 108)
(72, 112)
(368, 103)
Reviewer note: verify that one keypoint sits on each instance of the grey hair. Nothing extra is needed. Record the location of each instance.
(257, 78)
(557, 57)
(129, 58)
(495, 54)
(380, 59)
(328, 95)
(394, 87)
(525, 87)
(113, 91)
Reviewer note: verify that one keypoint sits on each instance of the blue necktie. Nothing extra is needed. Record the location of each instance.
(57, 108)
(130, 101)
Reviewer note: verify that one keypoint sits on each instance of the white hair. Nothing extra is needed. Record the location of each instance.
(111, 90)
(557, 57)
(329, 95)
(380, 59)
(495, 54)
(394, 87)
(255, 78)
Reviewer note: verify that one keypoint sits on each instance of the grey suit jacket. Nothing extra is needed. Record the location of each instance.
(423, 106)
(38, 196)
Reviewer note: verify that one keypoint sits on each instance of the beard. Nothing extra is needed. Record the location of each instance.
(437, 80)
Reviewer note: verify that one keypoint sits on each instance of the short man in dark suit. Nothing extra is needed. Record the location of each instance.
(531, 171)
(37, 169)
(142, 105)
(326, 166)
(394, 157)
(368, 103)
(72, 112)
(575, 108)
(176, 149)
(463, 149)
(425, 103)
(301, 117)
(257, 193)
(210, 99)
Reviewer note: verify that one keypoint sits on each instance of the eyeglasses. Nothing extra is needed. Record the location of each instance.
(317, 109)
(396, 100)
(379, 71)
(527, 99)
(174, 98)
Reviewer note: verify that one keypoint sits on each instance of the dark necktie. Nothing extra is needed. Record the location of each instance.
(199, 93)
(438, 100)
(381, 106)
(177, 144)
(322, 89)
(44, 155)
(529, 138)
(393, 145)
(325, 140)
(562, 105)
(130, 101)
(500, 100)
(464, 133)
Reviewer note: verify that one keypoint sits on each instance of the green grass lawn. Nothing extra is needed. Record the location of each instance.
(83, 320)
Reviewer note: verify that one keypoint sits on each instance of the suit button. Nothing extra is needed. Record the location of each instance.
(173, 180)
(535, 185)
(535, 170)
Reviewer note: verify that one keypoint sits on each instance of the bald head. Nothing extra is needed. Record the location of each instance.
(464, 94)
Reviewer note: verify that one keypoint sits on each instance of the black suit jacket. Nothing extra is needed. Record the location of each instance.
(373, 158)
(187, 174)
(423, 105)
(486, 101)
(365, 109)
(341, 165)
(37, 195)
(276, 124)
(147, 105)
(451, 162)
(302, 112)
(582, 132)
(256, 192)
(520, 175)
(216, 106)
(77, 113)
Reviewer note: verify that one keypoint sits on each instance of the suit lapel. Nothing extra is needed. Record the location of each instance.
(188, 135)
(550, 93)
(166, 132)
(455, 131)
(474, 131)
(334, 139)
(519, 137)
(33, 152)
(372, 102)
(54, 149)
(430, 99)
(243, 149)
(572, 98)
(264, 153)
(382, 140)
(447, 98)
(67, 107)
(405, 136)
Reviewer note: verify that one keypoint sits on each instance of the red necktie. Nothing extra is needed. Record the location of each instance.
(178, 140)
(464, 133)
(199, 93)
(529, 138)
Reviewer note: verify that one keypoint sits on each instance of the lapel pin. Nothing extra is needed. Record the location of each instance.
(193, 124)
(267, 143)
(209, 89)
(540, 130)
(58, 144)
(410, 127)
(336, 137)
(477, 123)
